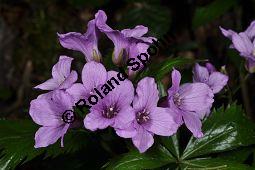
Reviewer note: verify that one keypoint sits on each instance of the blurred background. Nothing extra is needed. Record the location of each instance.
(29, 46)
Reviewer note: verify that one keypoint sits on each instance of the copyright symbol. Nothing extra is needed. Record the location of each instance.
(68, 116)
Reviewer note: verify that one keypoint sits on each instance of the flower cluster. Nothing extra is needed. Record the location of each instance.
(244, 42)
(133, 112)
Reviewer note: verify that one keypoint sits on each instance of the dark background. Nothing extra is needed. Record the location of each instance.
(29, 46)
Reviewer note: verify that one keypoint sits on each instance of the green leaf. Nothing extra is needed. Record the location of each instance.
(155, 17)
(154, 158)
(206, 14)
(223, 131)
(238, 155)
(213, 164)
(161, 88)
(172, 144)
(17, 143)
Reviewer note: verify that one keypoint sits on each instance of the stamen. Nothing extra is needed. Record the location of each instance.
(177, 99)
(142, 117)
(110, 112)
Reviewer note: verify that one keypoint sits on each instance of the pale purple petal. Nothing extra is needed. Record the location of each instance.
(143, 140)
(161, 122)
(78, 92)
(62, 68)
(50, 84)
(125, 116)
(176, 79)
(69, 81)
(196, 97)
(193, 123)
(210, 67)
(48, 135)
(128, 132)
(147, 94)
(200, 74)
(243, 44)
(122, 94)
(250, 31)
(217, 81)
(138, 31)
(93, 75)
(94, 120)
(227, 33)
(42, 112)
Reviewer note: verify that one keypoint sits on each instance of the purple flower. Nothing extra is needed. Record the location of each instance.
(150, 119)
(47, 111)
(93, 76)
(114, 110)
(86, 43)
(62, 76)
(190, 102)
(244, 42)
(122, 40)
(208, 75)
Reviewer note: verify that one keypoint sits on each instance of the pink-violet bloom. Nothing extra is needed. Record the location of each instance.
(62, 75)
(122, 40)
(208, 75)
(114, 109)
(190, 103)
(150, 119)
(86, 43)
(47, 110)
(244, 43)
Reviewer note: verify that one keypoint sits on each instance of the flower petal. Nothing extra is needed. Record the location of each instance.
(243, 44)
(217, 81)
(128, 132)
(93, 75)
(143, 140)
(200, 74)
(196, 97)
(78, 92)
(161, 122)
(124, 117)
(227, 33)
(122, 94)
(138, 31)
(69, 81)
(42, 112)
(250, 31)
(61, 69)
(193, 123)
(176, 79)
(94, 120)
(50, 84)
(48, 135)
(147, 94)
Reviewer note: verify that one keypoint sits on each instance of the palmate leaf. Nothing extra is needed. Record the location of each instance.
(223, 131)
(153, 158)
(17, 143)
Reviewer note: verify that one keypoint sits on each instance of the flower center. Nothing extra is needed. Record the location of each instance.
(142, 117)
(110, 112)
(177, 99)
